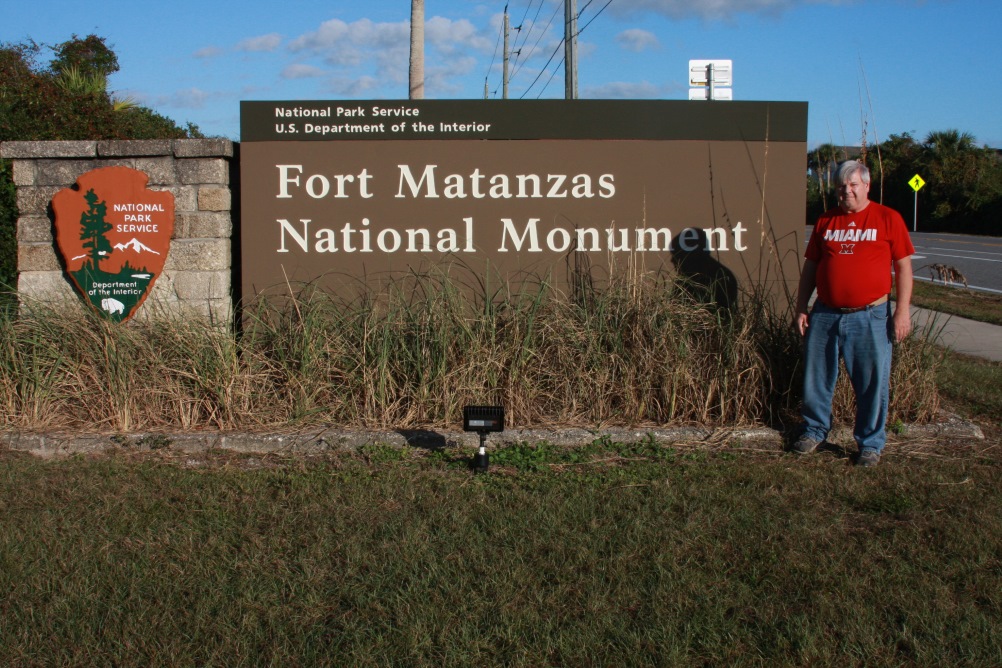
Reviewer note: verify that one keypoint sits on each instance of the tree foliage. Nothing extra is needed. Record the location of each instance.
(89, 55)
(963, 191)
(68, 98)
(65, 99)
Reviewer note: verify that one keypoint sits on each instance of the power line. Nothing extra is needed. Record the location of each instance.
(541, 33)
(532, 25)
(543, 69)
(599, 13)
(522, 56)
(552, 74)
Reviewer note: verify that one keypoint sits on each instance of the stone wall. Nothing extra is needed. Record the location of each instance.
(197, 277)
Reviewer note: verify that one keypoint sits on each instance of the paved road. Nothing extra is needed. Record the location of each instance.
(979, 259)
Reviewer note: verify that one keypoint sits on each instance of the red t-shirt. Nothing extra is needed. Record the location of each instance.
(854, 253)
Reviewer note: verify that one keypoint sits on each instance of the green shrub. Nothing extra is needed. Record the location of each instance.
(63, 102)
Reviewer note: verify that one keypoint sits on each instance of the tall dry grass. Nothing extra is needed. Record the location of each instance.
(642, 351)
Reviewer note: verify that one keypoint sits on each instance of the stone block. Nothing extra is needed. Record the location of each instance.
(135, 147)
(203, 170)
(214, 311)
(160, 170)
(46, 286)
(34, 229)
(163, 288)
(202, 225)
(198, 255)
(217, 312)
(203, 148)
(62, 172)
(34, 201)
(201, 285)
(37, 257)
(185, 197)
(163, 305)
(48, 149)
(214, 198)
(24, 173)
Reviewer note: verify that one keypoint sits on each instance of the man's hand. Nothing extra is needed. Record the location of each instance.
(902, 324)
(903, 282)
(808, 277)
(800, 323)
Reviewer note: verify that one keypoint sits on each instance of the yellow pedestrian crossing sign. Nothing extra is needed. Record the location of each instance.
(916, 183)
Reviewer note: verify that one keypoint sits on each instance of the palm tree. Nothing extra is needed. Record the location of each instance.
(417, 50)
(956, 170)
(950, 142)
(74, 80)
(821, 164)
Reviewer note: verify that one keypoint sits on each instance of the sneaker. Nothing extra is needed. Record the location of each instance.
(868, 458)
(805, 445)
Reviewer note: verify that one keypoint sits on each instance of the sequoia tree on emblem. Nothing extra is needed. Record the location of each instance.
(114, 234)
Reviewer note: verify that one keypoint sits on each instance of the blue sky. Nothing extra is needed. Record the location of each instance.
(889, 66)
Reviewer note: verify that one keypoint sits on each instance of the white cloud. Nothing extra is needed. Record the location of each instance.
(448, 37)
(369, 55)
(709, 9)
(268, 42)
(352, 87)
(189, 98)
(637, 40)
(384, 46)
(440, 80)
(208, 52)
(301, 71)
(336, 37)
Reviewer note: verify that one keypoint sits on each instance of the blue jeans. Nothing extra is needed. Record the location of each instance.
(864, 340)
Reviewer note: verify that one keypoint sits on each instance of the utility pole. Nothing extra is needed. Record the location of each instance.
(504, 69)
(570, 50)
(416, 83)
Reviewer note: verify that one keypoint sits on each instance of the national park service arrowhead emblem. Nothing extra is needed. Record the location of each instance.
(114, 234)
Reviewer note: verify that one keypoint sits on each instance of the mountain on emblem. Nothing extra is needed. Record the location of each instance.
(112, 260)
(136, 246)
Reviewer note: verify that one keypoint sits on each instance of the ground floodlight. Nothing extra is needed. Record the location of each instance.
(483, 420)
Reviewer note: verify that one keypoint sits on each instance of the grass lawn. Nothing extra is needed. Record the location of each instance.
(605, 556)
(959, 301)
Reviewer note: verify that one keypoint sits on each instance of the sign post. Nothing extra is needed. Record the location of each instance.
(707, 77)
(916, 183)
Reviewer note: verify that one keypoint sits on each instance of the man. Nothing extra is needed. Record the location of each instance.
(848, 259)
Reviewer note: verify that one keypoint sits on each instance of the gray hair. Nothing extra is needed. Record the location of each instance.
(847, 169)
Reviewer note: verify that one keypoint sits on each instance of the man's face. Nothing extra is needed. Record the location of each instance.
(853, 195)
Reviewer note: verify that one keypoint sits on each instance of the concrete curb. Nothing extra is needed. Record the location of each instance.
(327, 440)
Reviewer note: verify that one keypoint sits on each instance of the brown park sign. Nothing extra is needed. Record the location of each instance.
(114, 234)
(339, 194)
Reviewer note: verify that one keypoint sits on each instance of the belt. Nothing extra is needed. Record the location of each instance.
(857, 309)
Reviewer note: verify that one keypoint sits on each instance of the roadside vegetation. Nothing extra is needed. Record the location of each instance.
(959, 301)
(644, 351)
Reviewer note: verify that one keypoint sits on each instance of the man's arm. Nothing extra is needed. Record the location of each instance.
(808, 281)
(903, 282)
